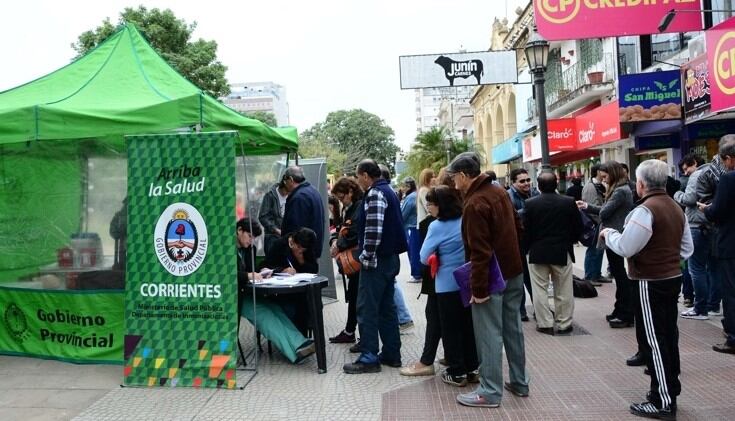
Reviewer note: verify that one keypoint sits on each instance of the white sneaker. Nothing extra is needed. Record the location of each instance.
(715, 313)
(691, 314)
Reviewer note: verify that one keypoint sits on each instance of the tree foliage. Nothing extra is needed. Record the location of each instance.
(171, 38)
(318, 148)
(263, 116)
(356, 134)
(429, 150)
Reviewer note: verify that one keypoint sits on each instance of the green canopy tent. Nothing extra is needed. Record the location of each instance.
(52, 126)
(123, 87)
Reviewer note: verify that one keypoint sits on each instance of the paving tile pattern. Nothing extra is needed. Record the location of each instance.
(584, 377)
(578, 377)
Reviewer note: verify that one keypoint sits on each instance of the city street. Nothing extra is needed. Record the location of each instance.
(582, 376)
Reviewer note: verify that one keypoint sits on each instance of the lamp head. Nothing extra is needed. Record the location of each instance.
(537, 52)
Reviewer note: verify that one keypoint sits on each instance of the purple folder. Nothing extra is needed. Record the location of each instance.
(495, 281)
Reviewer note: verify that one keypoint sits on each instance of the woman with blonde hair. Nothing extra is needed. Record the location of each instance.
(425, 181)
(618, 203)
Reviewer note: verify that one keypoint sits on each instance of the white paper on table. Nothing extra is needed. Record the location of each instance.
(289, 280)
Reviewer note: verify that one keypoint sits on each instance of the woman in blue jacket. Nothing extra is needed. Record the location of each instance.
(408, 212)
(445, 239)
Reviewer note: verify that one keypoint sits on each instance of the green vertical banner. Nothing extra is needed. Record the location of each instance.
(181, 289)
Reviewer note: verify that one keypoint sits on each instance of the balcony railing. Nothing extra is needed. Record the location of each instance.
(562, 85)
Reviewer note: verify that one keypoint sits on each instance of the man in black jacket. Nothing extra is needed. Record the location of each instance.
(721, 213)
(271, 214)
(552, 225)
(304, 207)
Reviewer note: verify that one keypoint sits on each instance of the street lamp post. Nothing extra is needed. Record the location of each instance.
(537, 56)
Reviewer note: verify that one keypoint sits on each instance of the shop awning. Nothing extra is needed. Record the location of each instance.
(658, 127)
(509, 150)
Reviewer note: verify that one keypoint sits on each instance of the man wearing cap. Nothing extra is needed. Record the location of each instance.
(490, 226)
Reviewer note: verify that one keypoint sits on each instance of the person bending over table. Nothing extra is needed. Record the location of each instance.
(272, 321)
(294, 253)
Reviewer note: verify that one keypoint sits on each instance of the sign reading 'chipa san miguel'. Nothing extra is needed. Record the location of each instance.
(181, 293)
(650, 96)
(575, 19)
(720, 41)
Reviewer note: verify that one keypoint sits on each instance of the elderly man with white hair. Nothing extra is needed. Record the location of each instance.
(655, 238)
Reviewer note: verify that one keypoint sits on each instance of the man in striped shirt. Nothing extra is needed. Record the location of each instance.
(381, 239)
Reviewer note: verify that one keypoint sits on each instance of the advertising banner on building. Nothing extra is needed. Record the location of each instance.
(696, 81)
(650, 96)
(181, 289)
(458, 69)
(74, 326)
(562, 134)
(599, 126)
(577, 19)
(720, 42)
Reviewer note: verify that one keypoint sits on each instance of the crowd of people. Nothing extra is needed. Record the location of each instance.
(676, 235)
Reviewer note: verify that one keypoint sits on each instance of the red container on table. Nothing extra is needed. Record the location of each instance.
(65, 257)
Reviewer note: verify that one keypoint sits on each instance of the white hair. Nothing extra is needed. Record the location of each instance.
(653, 173)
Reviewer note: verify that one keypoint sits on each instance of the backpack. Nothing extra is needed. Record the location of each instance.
(582, 288)
(588, 238)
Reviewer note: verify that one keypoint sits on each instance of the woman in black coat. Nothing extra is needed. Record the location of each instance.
(348, 192)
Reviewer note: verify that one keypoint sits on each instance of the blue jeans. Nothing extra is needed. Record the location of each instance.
(703, 269)
(414, 249)
(376, 311)
(687, 288)
(593, 263)
(404, 316)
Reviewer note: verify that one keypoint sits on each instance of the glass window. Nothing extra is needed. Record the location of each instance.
(629, 59)
(664, 46)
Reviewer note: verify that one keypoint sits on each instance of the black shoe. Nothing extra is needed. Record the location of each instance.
(610, 317)
(509, 387)
(304, 351)
(524, 317)
(359, 367)
(649, 410)
(724, 348)
(355, 349)
(636, 360)
(594, 282)
(619, 324)
(646, 371)
(545, 330)
(604, 279)
(343, 338)
(390, 363)
(473, 376)
(567, 331)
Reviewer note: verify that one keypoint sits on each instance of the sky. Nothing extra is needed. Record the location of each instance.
(329, 55)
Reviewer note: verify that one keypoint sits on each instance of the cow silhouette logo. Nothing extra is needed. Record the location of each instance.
(464, 69)
(180, 239)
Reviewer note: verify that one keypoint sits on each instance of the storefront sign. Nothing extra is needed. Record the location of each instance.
(562, 134)
(575, 19)
(75, 326)
(599, 126)
(181, 289)
(650, 96)
(720, 42)
(508, 150)
(695, 77)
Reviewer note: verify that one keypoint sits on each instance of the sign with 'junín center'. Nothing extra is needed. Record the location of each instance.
(181, 291)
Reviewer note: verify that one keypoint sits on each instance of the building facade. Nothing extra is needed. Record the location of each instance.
(259, 96)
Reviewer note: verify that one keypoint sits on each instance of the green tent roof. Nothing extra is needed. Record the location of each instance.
(124, 87)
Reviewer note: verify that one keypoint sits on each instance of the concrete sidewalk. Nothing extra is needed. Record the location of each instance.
(575, 377)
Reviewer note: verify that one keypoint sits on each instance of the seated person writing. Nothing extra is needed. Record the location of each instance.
(294, 253)
(271, 320)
